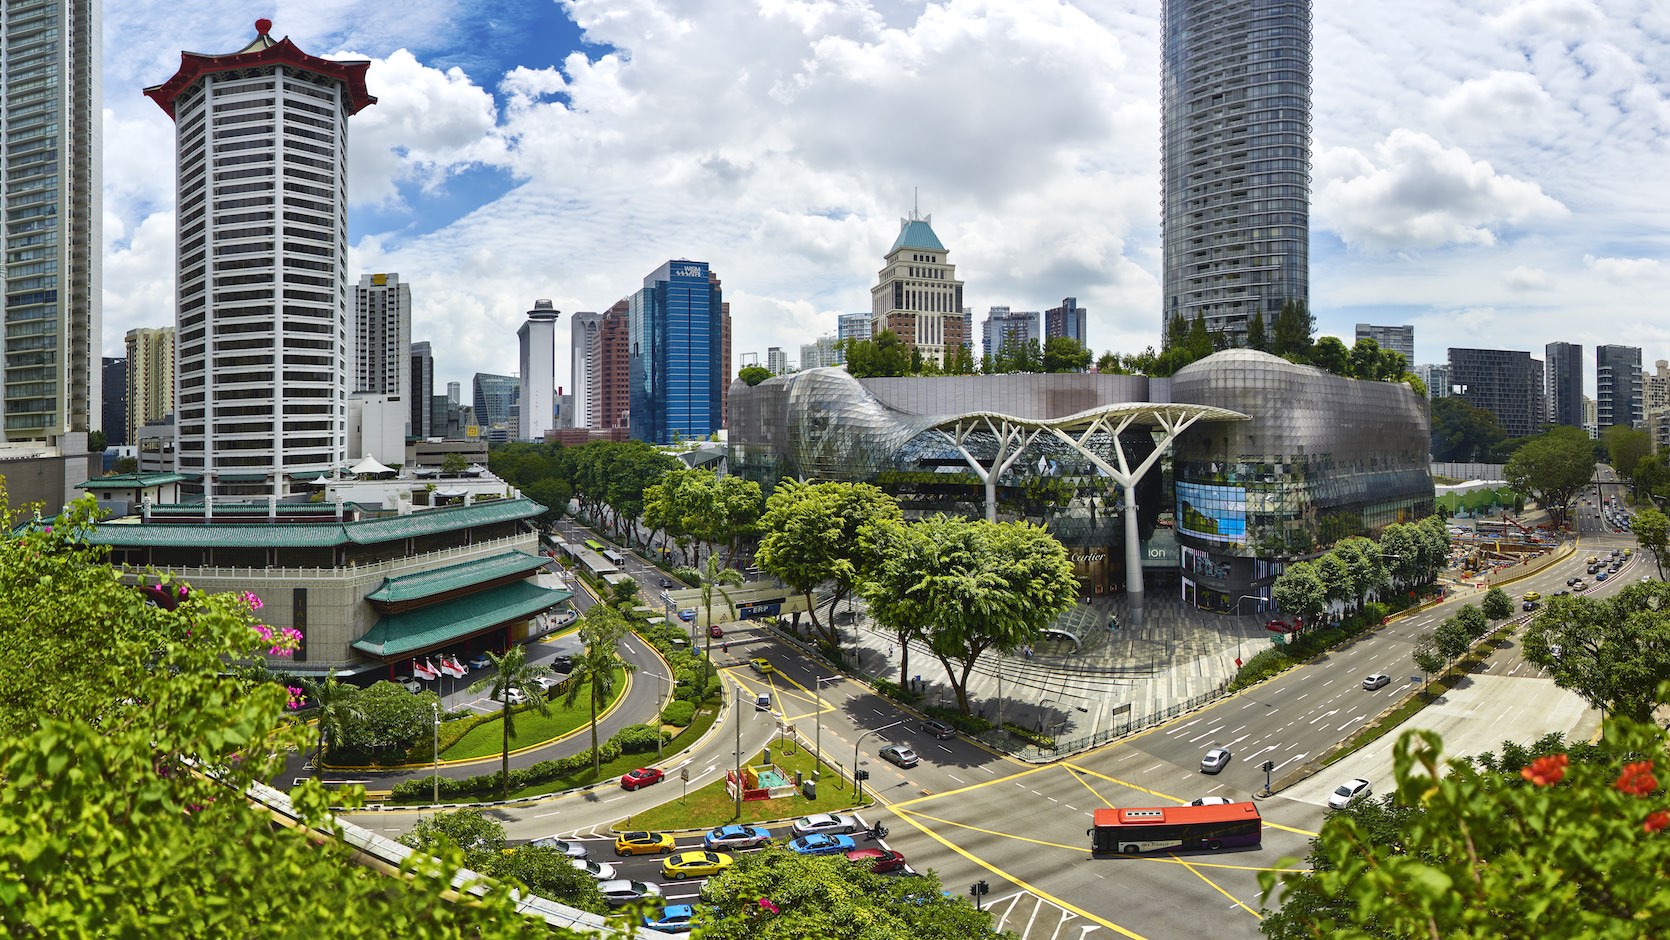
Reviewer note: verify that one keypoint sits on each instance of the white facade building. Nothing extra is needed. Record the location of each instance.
(538, 341)
(383, 336)
(917, 294)
(584, 350)
(262, 298)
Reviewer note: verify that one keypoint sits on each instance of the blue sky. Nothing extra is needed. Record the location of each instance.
(1492, 171)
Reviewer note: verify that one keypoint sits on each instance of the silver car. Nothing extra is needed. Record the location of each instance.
(1349, 792)
(1215, 760)
(899, 754)
(623, 891)
(825, 822)
(602, 871)
(570, 849)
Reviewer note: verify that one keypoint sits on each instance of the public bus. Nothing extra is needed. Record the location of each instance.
(1132, 831)
(615, 558)
(594, 545)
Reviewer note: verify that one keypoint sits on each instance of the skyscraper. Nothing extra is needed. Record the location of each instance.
(614, 366)
(582, 363)
(495, 398)
(421, 392)
(677, 354)
(537, 340)
(855, 326)
(1617, 386)
(776, 360)
(262, 295)
(382, 335)
(917, 294)
(1399, 339)
(1007, 332)
(1235, 79)
(50, 351)
(1565, 383)
(115, 417)
(1505, 382)
(150, 378)
(1066, 320)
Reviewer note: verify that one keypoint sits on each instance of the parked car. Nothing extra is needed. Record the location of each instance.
(602, 871)
(694, 864)
(409, 684)
(1215, 760)
(1378, 680)
(938, 729)
(737, 837)
(562, 664)
(642, 777)
(639, 842)
(480, 662)
(623, 891)
(547, 683)
(1211, 801)
(1348, 792)
(899, 754)
(515, 695)
(825, 822)
(879, 860)
(570, 849)
(819, 843)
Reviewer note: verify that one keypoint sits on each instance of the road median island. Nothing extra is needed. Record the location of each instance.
(713, 805)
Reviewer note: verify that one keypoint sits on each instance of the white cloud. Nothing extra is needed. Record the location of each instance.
(1414, 193)
(1624, 269)
(1502, 102)
(1523, 278)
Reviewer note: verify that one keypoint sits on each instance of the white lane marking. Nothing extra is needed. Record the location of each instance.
(955, 777)
(1289, 761)
(1325, 715)
(1238, 740)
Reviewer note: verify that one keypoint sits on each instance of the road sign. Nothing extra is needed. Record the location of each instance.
(684, 774)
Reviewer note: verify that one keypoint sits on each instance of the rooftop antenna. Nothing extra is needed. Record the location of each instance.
(915, 203)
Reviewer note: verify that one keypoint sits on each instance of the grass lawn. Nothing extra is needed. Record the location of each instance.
(487, 738)
(711, 806)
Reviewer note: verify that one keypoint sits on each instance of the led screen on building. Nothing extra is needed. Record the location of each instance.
(1217, 513)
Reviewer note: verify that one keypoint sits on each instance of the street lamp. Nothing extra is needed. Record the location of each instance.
(858, 785)
(1255, 597)
(436, 780)
(738, 710)
(817, 746)
(658, 707)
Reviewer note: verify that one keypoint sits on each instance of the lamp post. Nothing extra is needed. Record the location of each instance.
(658, 706)
(858, 785)
(738, 710)
(817, 746)
(435, 797)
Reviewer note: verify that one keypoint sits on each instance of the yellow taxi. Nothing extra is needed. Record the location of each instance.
(762, 665)
(1531, 596)
(643, 843)
(697, 864)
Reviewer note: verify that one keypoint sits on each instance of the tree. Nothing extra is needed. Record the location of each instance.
(1652, 531)
(1292, 330)
(1614, 653)
(512, 673)
(1065, 354)
(468, 830)
(1427, 658)
(753, 375)
(387, 717)
(129, 745)
(1563, 847)
(454, 464)
(1108, 364)
(1475, 621)
(1336, 578)
(1553, 466)
(1300, 591)
(481, 842)
(1497, 604)
(126, 465)
(1461, 432)
(1451, 637)
(599, 665)
(1331, 355)
(884, 355)
(97, 442)
(711, 577)
(1625, 446)
(333, 704)
(1256, 338)
(818, 532)
(1365, 361)
(1651, 476)
(975, 585)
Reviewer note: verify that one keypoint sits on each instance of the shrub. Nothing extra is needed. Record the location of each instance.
(892, 691)
(1030, 736)
(636, 739)
(679, 713)
(969, 724)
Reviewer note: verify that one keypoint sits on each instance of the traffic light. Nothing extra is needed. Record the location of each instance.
(1267, 766)
(861, 775)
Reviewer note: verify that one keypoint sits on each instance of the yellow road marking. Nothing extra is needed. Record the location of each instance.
(973, 786)
(1128, 785)
(1087, 786)
(1302, 832)
(1219, 889)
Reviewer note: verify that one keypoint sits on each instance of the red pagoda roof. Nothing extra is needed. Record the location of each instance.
(263, 51)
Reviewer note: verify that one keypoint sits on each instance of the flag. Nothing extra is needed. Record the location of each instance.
(450, 667)
(429, 666)
(458, 668)
(421, 672)
(1237, 662)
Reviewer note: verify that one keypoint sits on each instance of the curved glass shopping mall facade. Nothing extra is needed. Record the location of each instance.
(1272, 460)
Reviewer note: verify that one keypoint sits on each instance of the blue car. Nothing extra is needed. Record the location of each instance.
(675, 918)
(1600, 576)
(737, 837)
(820, 843)
(687, 614)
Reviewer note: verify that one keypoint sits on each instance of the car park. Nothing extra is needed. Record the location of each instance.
(820, 843)
(1348, 792)
(638, 842)
(694, 864)
(642, 777)
(1211, 801)
(674, 918)
(569, 849)
(879, 860)
(1378, 680)
(737, 837)
(938, 729)
(602, 871)
(623, 891)
(761, 665)
(1215, 760)
(825, 822)
(898, 754)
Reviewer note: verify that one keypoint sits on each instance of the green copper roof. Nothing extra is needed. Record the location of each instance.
(426, 628)
(260, 534)
(409, 587)
(916, 233)
(128, 481)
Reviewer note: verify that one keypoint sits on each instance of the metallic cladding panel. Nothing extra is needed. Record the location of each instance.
(1027, 395)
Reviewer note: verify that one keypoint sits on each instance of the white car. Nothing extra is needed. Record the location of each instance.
(825, 822)
(516, 696)
(1211, 801)
(1377, 681)
(547, 683)
(1349, 792)
(602, 871)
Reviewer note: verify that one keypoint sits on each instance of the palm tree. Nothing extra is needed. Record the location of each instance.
(599, 665)
(335, 701)
(512, 673)
(711, 577)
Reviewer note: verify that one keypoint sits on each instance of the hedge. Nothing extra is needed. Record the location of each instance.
(679, 713)
(633, 739)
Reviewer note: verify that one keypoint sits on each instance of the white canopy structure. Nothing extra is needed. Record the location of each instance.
(369, 467)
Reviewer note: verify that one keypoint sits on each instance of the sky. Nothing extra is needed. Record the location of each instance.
(1494, 172)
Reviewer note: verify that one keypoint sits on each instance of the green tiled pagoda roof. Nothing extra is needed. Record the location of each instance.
(916, 233)
(127, 481)
(426, 628)
(312, 534)
(409, 587)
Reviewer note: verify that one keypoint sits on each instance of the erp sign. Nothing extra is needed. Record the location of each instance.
(757, 609)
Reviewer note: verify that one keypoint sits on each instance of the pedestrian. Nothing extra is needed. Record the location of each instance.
(1027, 649)
(726, 646)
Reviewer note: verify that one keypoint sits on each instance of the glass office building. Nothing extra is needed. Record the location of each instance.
(1280, 461)
(677, 354)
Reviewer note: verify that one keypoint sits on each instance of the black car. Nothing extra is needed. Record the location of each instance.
(666, 583)
(938, 729)
(1528, 605)
(562, 664)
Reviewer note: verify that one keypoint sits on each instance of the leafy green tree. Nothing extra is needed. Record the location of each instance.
(818, 532)
(387, 717)
(1368, 572)
(1652, 531)
(959, 360)
(976, 585)
(1177, 331)
(884, 355)
(1625, 446)
(1256, 336)
(1402, 555)
(1337, 583)
(599, 665)
(1497, 604)
(1614, 652)
(481, 843)
(1108, 364)
(1330, 354)
(753, 375)
(1553, 466)
(1291, 333)
(97, 442)
(1452, 639)
(711, 577)
(1299, 590)
(512, 673)
(1461, 432)
(1475, 621)
(1427, 658)
(1565, 847)
(334, 709)
(623, 594)
(1364, 359)
(126, 465)
(454, 464)
(1065, 354)
(468, 830)
(1652, 476)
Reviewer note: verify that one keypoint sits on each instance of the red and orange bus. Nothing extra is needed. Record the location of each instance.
(1131, 831)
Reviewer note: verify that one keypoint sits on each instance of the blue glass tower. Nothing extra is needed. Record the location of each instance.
(677, 354)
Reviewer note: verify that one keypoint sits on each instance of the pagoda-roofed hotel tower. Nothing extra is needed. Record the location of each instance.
(262, 375)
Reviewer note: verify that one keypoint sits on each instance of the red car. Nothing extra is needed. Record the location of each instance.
(642, 777)
(880, 860)
(715, 631)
